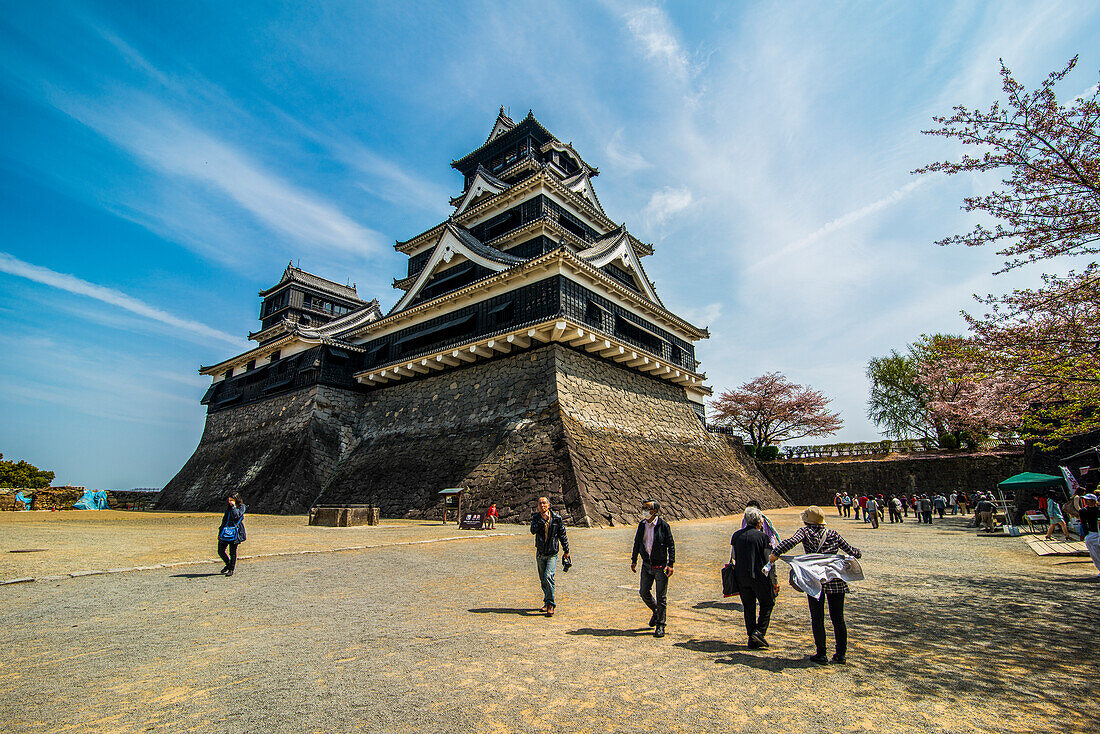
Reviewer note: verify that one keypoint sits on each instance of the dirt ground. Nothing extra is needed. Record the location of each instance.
(951, 632)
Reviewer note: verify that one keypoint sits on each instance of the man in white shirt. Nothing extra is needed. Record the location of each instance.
(654, 543)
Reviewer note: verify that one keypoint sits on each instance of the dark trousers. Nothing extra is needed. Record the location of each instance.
(753, 592)
(649, 576)
(231, 559)
(836, 614)
(847, 510)
(927, 517)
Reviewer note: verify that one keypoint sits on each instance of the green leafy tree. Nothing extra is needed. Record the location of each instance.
(910, 392)
(21, 474)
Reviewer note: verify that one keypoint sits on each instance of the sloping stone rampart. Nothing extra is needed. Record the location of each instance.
(278, 453)
(551, 421)
(816, 483)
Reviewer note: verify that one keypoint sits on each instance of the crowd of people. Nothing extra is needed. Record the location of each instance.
(925, 508)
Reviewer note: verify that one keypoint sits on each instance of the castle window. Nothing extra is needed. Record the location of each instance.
(275, 356)
(250, 366)
(502, 313)
(593, 314)
(228, 373)
(637, 335)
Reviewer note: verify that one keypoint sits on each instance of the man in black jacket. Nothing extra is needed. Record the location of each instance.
(549, 530)
(654, 543)
(751, 549)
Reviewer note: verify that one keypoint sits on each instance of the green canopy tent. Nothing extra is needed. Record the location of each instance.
(1022, 486)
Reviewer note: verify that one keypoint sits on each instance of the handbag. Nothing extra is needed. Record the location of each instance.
(730, 586)
(230, 533)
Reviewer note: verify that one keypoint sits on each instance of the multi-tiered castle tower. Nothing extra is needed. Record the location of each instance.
(528, 354)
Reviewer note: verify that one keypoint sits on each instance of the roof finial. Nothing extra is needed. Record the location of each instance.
(530, 112)
(502, 110)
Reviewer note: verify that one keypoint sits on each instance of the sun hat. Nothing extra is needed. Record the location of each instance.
(1090, 497)
(813, 516)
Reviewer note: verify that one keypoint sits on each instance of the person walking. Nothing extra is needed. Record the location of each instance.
(1090, 525)
(872, 511)
(905, 505)
(895, 510)
(491, 516)
(939, 502)
(863, 508)
(984, 514)
(964, 503)
(816, 538)
(1054, 512)
(839, 505)
(926, 509)
(952, 503)
(549, 531)
(767, 527)
(847, 505)
(654, 543)
(231, 533)
(751, 548)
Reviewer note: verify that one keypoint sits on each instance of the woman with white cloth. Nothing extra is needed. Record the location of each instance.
(816, 538)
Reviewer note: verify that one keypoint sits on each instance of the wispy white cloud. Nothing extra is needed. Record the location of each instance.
(845, 220)
(626, 160)
(665, 204)
(177, 148)
(701, 315)
(72, 284)
(654, 32)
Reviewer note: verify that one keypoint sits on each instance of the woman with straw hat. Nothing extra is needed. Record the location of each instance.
(816, 538)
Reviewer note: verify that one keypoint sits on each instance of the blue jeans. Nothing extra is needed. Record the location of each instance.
(547, 565)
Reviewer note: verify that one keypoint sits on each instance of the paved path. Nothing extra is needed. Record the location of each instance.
(951, 632)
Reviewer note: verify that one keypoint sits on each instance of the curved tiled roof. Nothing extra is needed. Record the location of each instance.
(297, 275)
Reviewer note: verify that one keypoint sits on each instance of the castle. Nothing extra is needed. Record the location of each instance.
(528, 354)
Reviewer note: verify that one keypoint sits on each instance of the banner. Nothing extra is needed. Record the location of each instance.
(1071, 481)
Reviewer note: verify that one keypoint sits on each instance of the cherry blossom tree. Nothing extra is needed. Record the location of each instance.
(771, 409)
(1035, 361)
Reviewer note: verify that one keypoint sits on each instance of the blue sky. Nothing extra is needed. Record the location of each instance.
(161, 162)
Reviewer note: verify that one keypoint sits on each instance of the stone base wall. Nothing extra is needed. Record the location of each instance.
(594, 438)
(634, 438)
(278, 453)
(126, 499)
(46, 498)
(816, 483)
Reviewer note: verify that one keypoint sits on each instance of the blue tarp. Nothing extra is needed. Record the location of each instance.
(25, 500)
(92, 501)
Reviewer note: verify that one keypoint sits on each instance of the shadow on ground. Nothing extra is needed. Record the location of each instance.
(978, 635)
(507, 610)
(611, 632)
(192, 575)
(729, 606)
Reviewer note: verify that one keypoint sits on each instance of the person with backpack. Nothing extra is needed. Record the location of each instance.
(231, 533)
